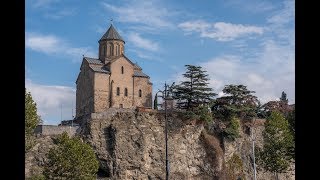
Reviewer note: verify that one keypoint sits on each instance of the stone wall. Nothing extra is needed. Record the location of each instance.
(122, 81)
(101, 92)
(84, 93)
(49, 130)
(146, 88)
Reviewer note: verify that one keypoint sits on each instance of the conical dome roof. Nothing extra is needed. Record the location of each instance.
(111, 34)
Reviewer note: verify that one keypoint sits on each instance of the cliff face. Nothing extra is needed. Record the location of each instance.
(131, 145)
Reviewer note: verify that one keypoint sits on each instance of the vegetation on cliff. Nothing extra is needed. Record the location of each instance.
(194, 91)
(278, 143)
(71, 159)
(32, 119)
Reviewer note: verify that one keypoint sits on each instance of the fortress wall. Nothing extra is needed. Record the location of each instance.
(47, 130)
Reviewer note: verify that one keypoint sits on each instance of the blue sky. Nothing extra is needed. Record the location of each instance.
(250, 42)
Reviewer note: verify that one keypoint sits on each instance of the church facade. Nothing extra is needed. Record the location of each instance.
(112, 80)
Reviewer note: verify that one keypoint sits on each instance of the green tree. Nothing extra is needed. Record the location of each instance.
(32, 119)
(291, 119)
(238, 102)
(283, 97)
(194, 91)
(232, 130)
(155, 102)
(275, 155)
(71, 159)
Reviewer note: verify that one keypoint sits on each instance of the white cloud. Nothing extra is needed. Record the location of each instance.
(219, 31)
(141, 42)
(43, 3)
(49, 100)
(268, 74)
(284, 15)
(60, 14)
(50, 45)
(147, 13)
(254, 6)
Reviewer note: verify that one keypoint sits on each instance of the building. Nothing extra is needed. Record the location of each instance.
(112, 80)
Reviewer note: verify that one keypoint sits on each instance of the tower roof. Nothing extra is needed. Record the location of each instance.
(111, 34)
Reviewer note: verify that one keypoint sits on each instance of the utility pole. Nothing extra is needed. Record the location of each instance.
(166, 130)
(253, 154)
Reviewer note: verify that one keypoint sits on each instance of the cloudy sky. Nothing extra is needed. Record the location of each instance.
(249, 42)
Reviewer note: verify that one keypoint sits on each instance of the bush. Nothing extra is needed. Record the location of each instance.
(71, 159)
(235, 168)
(200, 113)
(232, 131)
(204, 114)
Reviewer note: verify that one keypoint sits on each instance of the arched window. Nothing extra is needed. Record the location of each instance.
(125, 92)
(111, 49)
(118, 91)
(140, 93)
(117, 50)
(122, 70)
(104, 50)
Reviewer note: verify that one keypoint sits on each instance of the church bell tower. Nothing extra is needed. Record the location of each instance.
(111, 45)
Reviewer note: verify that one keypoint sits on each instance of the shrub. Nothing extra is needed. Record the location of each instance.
(71, 159)
(232, 130)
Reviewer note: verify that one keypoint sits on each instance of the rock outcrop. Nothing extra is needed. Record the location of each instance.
(131, 145)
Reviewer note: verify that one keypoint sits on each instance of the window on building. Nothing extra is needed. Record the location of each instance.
(121, 105)
(118, 91)
(125, 92)
(111, 49)
(117, 50)
(140, 93)
(104, 50)
(122, 70)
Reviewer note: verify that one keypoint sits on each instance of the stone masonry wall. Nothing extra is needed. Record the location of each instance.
(101, 92)
(122, 81)
(146, 89)
(49, 130)
(84, 94)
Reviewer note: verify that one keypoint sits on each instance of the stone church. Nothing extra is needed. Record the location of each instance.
(112, 80)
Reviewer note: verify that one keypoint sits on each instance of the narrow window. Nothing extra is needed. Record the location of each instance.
(122, 70)
(111, 49)
(140, 93)
(118, 91)
(118, 49)
(121, 105)
(104, 50)
(125, 92)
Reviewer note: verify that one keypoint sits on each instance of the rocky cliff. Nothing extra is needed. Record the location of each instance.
(131, 145)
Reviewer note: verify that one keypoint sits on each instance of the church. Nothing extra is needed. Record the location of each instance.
(112, 80)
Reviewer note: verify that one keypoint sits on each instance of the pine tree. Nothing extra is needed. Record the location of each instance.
(283, 98)
(238, 102)
(194, 91)
(155, 102)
